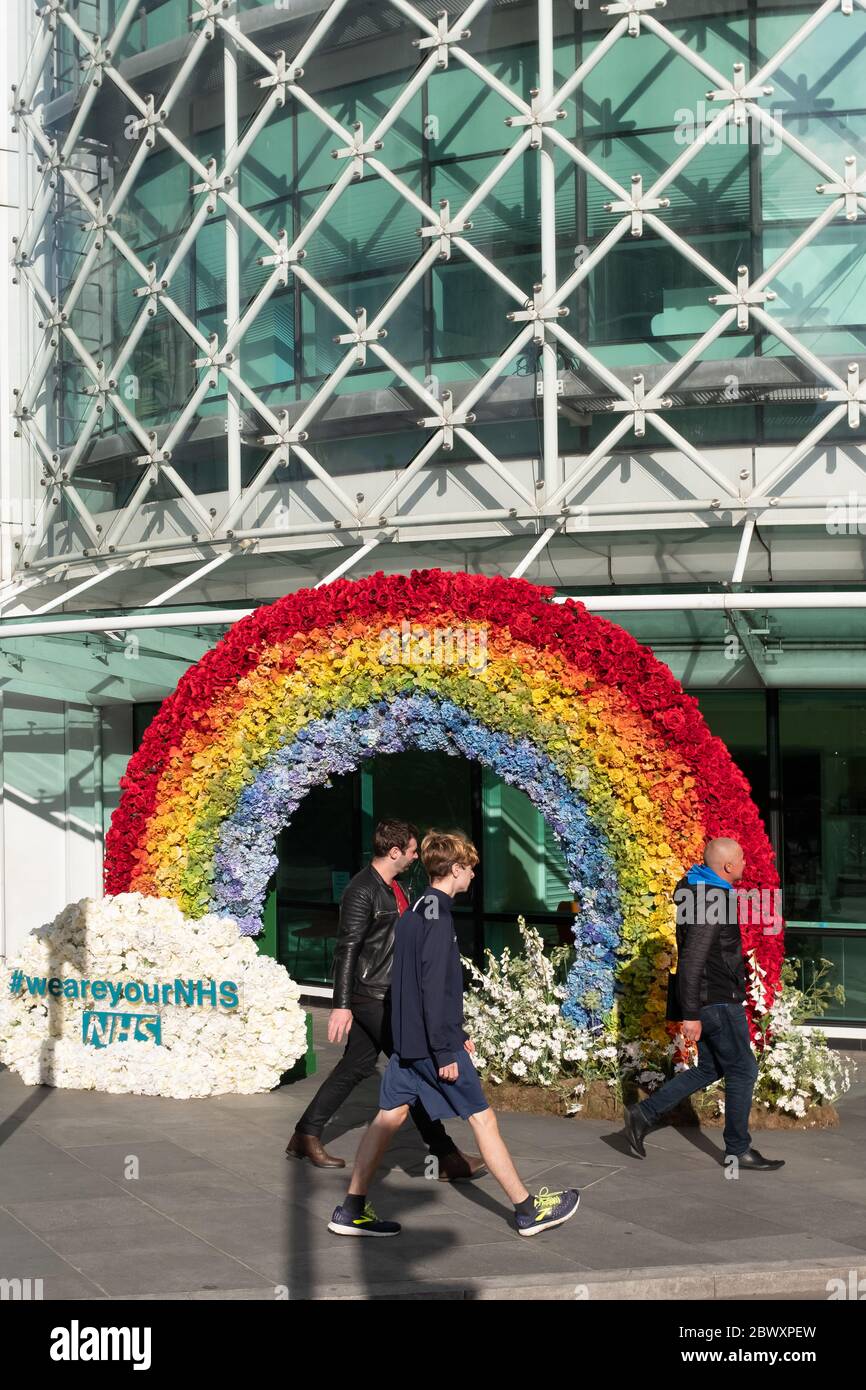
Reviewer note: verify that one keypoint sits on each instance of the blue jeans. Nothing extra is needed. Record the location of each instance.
(724, 1050)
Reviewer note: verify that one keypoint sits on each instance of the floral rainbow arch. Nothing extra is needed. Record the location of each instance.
(561, 703)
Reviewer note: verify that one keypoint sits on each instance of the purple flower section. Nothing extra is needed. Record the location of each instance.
(326, 748)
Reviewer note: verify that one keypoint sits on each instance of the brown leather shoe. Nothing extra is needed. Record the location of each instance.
(311, 1147)
(460, 1167)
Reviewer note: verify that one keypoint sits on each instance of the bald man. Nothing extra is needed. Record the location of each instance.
(707, 994)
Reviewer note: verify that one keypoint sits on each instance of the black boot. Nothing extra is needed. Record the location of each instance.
(636, 1127)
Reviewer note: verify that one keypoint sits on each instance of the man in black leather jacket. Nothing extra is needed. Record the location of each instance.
(369, 908)
(706, 995)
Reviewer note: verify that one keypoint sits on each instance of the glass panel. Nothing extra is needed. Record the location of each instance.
(317, 847)
(824, 284)
(649, 290)
(713, 188)
(637, 83)
(823, 73)
(367, 102)
(320, 327)
(524, 870)
(267, 169)
(305, 942)
(848, 957)
(210, 265)
(427, 788)
(159, 203)
(739, 719)
(371, 225)
(154, 24)
(267, 352)
(823, 739)
(789, 182)
(469, 308)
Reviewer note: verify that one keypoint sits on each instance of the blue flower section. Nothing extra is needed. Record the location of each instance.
(326, 748)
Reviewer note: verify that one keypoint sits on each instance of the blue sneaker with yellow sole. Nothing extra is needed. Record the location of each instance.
(343, 1224)
(549, 1209)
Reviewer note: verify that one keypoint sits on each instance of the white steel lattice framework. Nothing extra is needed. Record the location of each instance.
(538, 316)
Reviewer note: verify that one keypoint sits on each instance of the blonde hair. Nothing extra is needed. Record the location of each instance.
(440, 849)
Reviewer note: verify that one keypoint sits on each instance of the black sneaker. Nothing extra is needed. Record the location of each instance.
(342, 1224)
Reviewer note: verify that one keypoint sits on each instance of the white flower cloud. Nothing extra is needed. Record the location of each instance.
(206, 1049)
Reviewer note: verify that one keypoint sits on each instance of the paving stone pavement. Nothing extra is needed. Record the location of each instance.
(216, 1210)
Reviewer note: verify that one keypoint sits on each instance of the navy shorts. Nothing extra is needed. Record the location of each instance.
(405, 1082)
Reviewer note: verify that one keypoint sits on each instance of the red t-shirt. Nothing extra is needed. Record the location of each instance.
(402, 900)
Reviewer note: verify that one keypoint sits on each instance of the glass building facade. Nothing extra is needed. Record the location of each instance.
(612, 207)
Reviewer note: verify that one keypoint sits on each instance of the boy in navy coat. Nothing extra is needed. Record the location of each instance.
(431, 1061)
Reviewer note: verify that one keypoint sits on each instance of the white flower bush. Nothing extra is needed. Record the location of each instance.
(513, 1015)
(798, 1069)
(205, 1050)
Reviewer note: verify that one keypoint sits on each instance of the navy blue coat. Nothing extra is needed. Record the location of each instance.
(427, 983)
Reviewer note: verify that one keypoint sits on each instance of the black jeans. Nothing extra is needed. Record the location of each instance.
(724, 1050)
(369, 1035)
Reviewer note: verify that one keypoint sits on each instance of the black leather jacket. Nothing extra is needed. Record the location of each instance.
(710, 965)
(364, 952)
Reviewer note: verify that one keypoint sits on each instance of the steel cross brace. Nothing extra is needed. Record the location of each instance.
(153, 290)
(441, 44)
(536, 119)
(214, 359)
(99, 223)
(150, 121)
(739, 92)
(361, 337)
(209, 11)
(103, 386)
(637, 205)
(284, 435)
(744, 297)
(284, 76)
(444, 228)
(57, 320)
(850, 188)
(98, 60)
(448, 420)
(537, 312)
(638, 405)
(283, 259)
(633, 9)
(156, 457)
(854, 395)
(49, 12)
(52, 162)
(213, 184)
(442, 40)
(358, 150)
